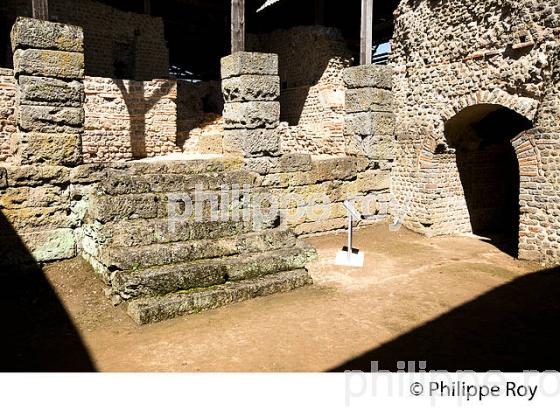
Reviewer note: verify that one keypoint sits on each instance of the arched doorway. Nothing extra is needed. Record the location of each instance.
(489, 170)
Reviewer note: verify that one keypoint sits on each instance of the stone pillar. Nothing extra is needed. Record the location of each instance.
(251, 88)
(369, 128)
(49, 67)
(36, 220)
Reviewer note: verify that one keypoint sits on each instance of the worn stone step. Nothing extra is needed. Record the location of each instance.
(116, 258)
(186, 206)
(202, 274)
(145, 232)
(121, 183)
(159, 308)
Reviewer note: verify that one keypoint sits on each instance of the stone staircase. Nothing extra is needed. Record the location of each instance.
(162, 270)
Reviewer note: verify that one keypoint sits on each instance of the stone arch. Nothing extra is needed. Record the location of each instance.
(528, 155)
(524, 106)
(493, 150)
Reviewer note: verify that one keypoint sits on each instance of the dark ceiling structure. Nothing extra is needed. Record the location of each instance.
(198, 31)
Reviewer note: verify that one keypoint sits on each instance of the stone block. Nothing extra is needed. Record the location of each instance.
(26, 219)
(50, 91)
(232, 143)
(48, 149)
(37, 175)
(379, 147)
(369, 76)
(296, 162)
(52, 245)
(368, 99)
(343, 168)
(49, 63)
(251, 88)
(32, 33)
(256, 142)
(252, 115)
(115, 208)
(245, 63)
(34, 197)
(50, 119)
(369, 181)
(369, 123)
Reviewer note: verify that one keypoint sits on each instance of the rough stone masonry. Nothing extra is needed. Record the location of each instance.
(470, 60)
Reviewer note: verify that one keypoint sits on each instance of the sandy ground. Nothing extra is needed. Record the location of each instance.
(410, 283)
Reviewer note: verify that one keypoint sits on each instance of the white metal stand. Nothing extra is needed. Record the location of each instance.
(349, 256)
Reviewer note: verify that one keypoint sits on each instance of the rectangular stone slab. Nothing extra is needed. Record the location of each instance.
(252, 115)
(251, 88)
(49, 63)
(243, 63)
(48, 149)
(368, 99)
(243, 115)
(255, 142)
(369, 76)
(369, 123)
(50, 119)
(156, 309)
(32, 33)
(50, 91)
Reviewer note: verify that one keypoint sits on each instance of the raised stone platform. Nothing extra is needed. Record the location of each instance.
(163, 267)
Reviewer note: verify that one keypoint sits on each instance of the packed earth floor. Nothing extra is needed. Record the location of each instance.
(456, 303)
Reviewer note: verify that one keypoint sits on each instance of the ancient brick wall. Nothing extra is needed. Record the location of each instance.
(129, 119)
(7, 111)
(117, 43)
(311, 62)
(449, 57)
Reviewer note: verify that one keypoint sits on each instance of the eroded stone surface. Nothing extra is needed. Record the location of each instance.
(33, 33)
(250, 115)
(245, 63)
(251, 88)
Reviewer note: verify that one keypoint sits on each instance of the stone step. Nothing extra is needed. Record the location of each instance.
(128, 285)
(145, 232)
(183, 206)
(124, 183)
(156, 309)
(116, 258)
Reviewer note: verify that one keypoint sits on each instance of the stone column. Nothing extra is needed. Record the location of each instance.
(369, 127)
(36, 221)
(49, 67)
(251, 88)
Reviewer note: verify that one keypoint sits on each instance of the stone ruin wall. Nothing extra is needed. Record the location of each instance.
(251, 86)
(135, 41)
(451, 55)
(311, 63)
(127, 120)
(8, 90)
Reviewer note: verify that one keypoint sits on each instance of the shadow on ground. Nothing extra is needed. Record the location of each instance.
(37, 333)
(511, 328)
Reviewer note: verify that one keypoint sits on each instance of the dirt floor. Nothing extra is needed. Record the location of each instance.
(454, 302)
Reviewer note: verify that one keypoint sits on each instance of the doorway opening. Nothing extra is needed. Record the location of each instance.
(489, 170)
